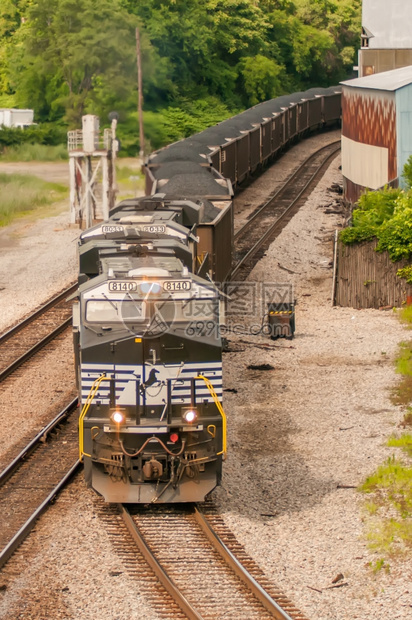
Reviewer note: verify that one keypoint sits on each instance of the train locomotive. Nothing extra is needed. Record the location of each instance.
(149, 361)
(147, 337)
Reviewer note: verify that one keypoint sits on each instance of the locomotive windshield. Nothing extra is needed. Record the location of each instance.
(109, 311)
(170, 310)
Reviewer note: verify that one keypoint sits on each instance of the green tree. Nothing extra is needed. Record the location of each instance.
(71, 50)
(261, 78)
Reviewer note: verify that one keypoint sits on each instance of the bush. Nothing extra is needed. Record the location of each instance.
(36, 134)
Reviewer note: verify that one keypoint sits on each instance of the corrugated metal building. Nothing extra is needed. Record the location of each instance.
(376, 130)
(386, 36)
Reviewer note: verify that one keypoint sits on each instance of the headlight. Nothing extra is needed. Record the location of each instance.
(118, 417)
(189, 416)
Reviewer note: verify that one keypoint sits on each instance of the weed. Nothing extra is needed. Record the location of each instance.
(391, 485)
(407, 420)
(379, 565)
(404, 442)
(405, 315)
(402, 393)
(24, 193)
(371, 507)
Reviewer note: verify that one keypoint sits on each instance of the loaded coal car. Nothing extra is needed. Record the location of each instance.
(149, 363)
(238, 146)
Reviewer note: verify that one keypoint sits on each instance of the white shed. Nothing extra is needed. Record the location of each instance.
(10, 117)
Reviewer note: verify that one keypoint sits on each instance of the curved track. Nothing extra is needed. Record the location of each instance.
(181, 541)
(26, 338)
(254, 238)
(198, 570)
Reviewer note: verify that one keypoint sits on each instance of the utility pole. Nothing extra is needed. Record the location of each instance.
(140, 97)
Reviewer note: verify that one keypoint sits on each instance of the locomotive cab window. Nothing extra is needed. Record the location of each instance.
(109, 311)
(188, 310)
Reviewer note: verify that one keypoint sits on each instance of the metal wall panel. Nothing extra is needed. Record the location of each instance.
(302, 116)
(228, 161)
(215, 159)
(369, 117)
(364, 164)
(149, 180)
(332, 105)
(277, 132)
(266, 139)
(376, 61)
(216, 239)
(315, 112)
(242, 157)
(292, 114)
(404, 127)
(389, 23)
(254, 148)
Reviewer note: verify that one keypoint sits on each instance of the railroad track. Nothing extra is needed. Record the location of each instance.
(26, 338)
(254, 238)
(182, 542)
(32, 480)
(201, 576)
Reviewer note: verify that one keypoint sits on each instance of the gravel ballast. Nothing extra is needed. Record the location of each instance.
(301, 436)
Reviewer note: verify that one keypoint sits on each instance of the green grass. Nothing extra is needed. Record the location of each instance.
(405, 315)
(402, 393)
(35, 152)
(21, 194)
(404, 442)
(389, 488)
(390, 522)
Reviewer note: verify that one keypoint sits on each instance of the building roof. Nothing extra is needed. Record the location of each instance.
(388, 80)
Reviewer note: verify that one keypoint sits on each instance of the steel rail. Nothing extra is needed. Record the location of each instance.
(34, 349)
(279, 219)
(25, 530)
(41, 436)
(288, 181)
(44, 308)
(234, 564)
(158, 570)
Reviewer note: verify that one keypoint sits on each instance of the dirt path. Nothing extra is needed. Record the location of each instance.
(55, 172)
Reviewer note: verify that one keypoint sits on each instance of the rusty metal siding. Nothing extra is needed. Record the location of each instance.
(254, 148)
(367, 279)
(369, 117)
(351, 191)
(242, 157)
(266, 139)
(228, 161)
